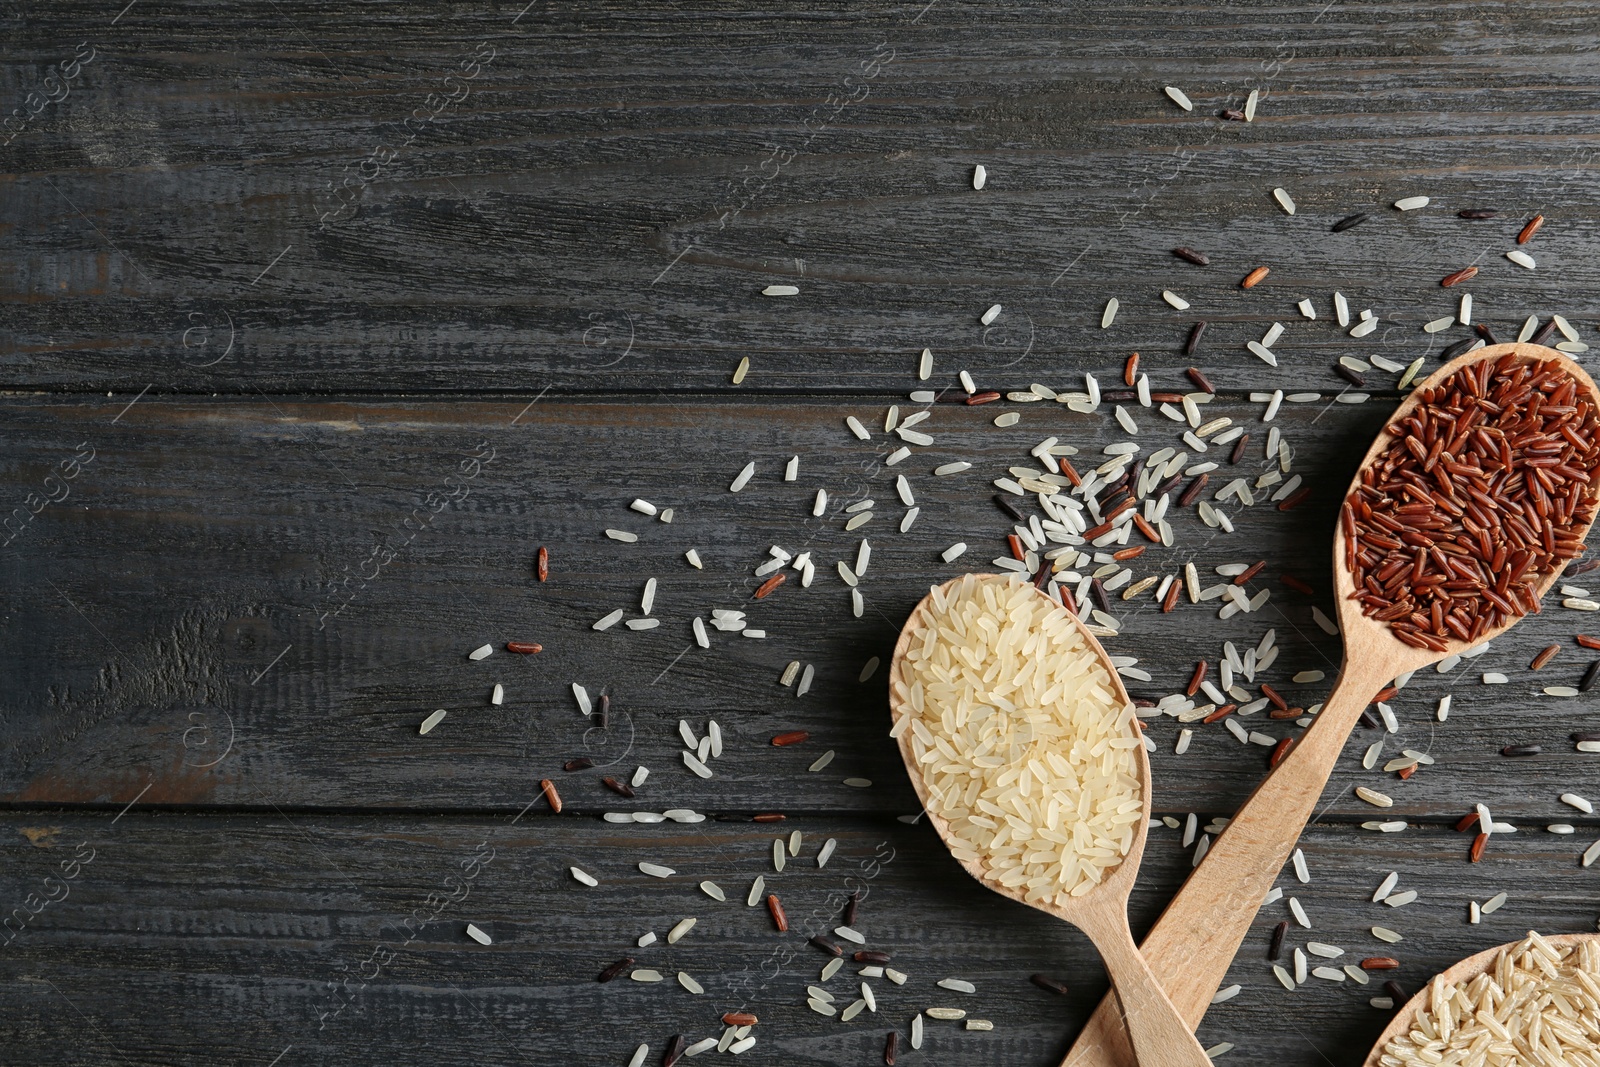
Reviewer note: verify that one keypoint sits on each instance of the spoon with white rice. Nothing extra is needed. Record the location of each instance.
(1023, 747)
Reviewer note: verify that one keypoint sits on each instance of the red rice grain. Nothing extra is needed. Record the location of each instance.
(1448, 535)
(1170, 601)
(1295, 499)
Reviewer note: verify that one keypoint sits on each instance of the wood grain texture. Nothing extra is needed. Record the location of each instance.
(173, 600)
(228, 203)
(321, 312)
(230, 938)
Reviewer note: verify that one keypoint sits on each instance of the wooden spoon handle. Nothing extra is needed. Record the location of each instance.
(1160, 1036)
(1196, 938)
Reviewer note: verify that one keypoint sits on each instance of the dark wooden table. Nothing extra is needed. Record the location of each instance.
(320, 319)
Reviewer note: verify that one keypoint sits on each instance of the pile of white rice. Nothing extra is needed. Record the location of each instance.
(1538, 1004)
(1026, 748)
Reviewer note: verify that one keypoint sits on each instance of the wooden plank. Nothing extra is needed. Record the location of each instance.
(242, 938)
(601, 204)
(203, 582)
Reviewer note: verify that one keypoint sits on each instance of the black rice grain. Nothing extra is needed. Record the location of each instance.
(615, 969)
(1196, 487)
(1048, 984)
(1275, 949)
(1097, 593)
(1589, 677)
(822, 943)
(1009, 508)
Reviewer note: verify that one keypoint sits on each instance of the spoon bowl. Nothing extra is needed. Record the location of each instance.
(1196, 938)
(1457, 974)
(1369, 640)
(1159, 1035)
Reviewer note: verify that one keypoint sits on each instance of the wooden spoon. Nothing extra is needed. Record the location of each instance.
(1198, 935)
(1458, 974)
(1160, 1038)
